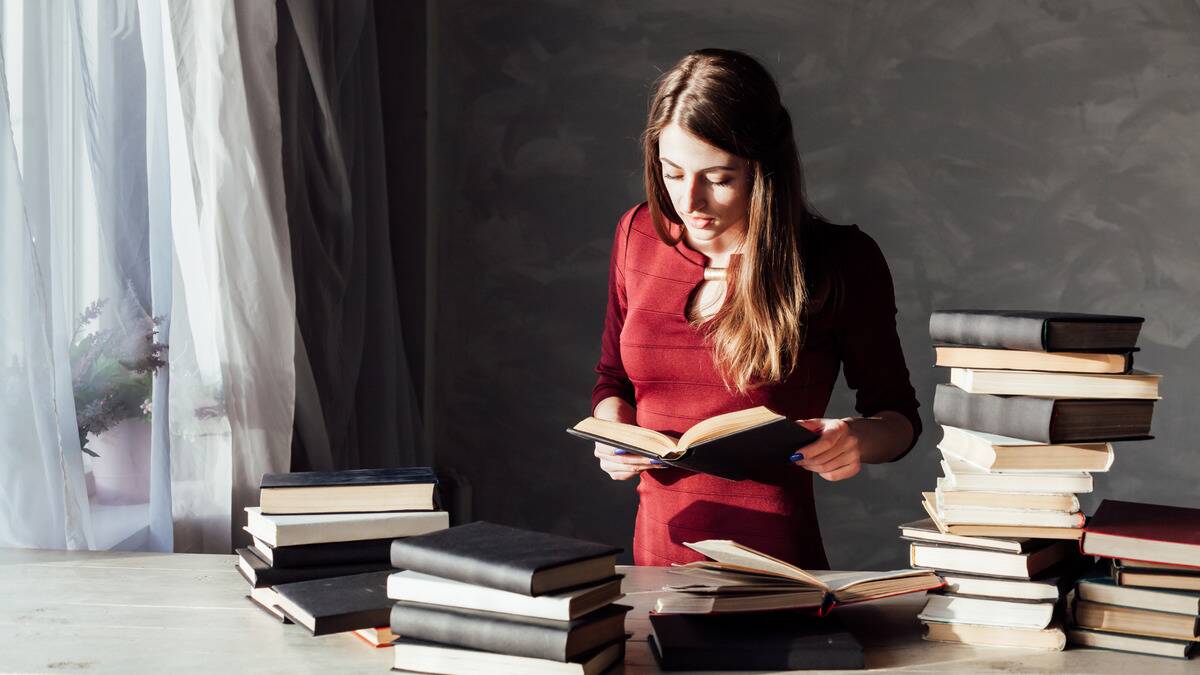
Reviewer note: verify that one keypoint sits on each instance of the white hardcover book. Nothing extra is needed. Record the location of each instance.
(991, 452)
(1138, 385)
(987, 612)
(965, 515)
(293, 530)
(964, 476)
(431, 590)
(1016, 589)
(948, 497)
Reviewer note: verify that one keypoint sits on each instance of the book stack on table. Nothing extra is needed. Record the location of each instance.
(319, 554)
(1034, 402)
(487, 598)
(1146, 597)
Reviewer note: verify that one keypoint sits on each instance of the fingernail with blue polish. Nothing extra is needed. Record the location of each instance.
(618, 452)
(796, 457)
(656, 461)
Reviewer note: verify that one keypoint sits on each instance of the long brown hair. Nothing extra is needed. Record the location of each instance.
(729, 100)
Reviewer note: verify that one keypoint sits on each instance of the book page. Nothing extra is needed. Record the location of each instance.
(739, 558)
(723, 425)
(840, 581)
(646, 439)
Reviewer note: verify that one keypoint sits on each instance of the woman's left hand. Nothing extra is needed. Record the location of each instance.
(836, 455)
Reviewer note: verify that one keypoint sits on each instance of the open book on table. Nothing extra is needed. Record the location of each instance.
(736, 446)
(740, 579)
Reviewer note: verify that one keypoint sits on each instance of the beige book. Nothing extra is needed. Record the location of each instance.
(1136, 621)
(964, 476)
(1013, 359)
(1003, 453)
(950, 498)
(1047, 639)
(1003, 531)
(1180, 649)
(1136, 385)
(666, 447)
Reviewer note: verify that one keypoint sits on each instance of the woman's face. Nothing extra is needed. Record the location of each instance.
(709, 187)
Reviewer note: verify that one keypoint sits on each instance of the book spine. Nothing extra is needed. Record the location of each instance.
(985, 330)
(488, 633)
(1023, 417)
(448, 565)
(337, 553)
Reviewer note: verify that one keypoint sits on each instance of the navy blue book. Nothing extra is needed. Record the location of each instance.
(337, 604)
(352, 491)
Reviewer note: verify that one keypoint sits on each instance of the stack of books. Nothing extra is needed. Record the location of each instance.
(1146, 596)
(319, 553)
(487, 598)
(1034, 402)
(742, 609)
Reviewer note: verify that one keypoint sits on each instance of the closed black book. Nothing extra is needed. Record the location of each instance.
(337, 604)
(394, 476)
(317, 555)
(506, 558)
(260, 573)
(763, 641)
(507, 633)
(1044, 420)
(1035, 330)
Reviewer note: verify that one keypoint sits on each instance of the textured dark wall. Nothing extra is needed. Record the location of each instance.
(1019, 154)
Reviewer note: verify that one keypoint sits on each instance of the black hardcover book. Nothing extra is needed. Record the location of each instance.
(401, 475)
(765, 641)
(1035, 330)
(334, 553)
(508, 633)
(260, 573)
(748, 453)
(1044, 420)
(506, 558)
(337, 604)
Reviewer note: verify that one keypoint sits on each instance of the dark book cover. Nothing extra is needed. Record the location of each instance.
(337, 604)
(397, 476)
(498, 556)
(1033, 330)
(263, 574)
(1043, 419)
(334, 553)
(1145, 522)
(762, 641)
(742, 455)
(508, 633)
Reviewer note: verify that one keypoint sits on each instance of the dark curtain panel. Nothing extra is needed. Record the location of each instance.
(355, 400)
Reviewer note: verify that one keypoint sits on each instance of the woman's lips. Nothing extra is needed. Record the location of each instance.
(700, 222)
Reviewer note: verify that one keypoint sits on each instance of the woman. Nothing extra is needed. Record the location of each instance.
(727, 292)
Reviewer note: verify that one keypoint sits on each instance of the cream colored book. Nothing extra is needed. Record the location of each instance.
(1003, 531)
(1136, 621)
(948, 498)
(1002, 453)
(719, 585)
(1015, 359)
(962, 475)
(987, 611)
(1046, 639)
(1137, 385)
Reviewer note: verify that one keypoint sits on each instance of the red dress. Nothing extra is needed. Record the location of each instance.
(654, 358)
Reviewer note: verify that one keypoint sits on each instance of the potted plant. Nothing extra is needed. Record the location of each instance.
(112, 371)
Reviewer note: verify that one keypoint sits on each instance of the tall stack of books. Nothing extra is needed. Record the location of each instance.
(1146, 596)
(487, 598)
(319, 554)
(1034, 401)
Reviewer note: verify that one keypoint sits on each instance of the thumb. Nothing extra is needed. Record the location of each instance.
(815, 425)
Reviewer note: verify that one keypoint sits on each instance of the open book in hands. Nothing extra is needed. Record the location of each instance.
(737, 445)
(740, 579)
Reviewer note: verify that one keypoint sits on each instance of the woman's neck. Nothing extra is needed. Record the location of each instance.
(719, 249)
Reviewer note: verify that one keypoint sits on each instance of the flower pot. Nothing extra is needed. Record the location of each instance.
(122, 471)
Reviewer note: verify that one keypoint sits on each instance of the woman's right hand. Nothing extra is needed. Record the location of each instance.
(617, 463)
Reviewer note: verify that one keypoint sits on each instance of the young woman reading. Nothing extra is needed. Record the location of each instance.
(726, 292)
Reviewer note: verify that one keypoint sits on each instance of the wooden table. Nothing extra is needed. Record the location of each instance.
(97, 612)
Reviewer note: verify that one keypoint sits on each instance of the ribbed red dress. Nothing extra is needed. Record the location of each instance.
(654, 358)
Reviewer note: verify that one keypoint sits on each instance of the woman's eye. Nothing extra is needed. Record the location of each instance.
(670, 177)
(727, 181)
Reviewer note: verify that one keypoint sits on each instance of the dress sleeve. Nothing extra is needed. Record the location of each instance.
(612, 380)
(870, 350)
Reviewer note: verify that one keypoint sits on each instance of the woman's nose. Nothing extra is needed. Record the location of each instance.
(693, 196)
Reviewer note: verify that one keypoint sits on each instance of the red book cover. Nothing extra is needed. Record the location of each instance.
(1159, 528)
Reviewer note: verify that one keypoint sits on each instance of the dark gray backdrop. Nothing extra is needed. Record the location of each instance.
(1003, 154)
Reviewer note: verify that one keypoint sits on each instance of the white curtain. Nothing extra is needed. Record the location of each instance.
(140, 157)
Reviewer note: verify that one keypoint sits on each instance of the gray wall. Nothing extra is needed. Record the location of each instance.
(1003, 154)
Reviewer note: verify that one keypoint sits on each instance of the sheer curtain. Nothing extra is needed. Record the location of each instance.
(140, 160)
